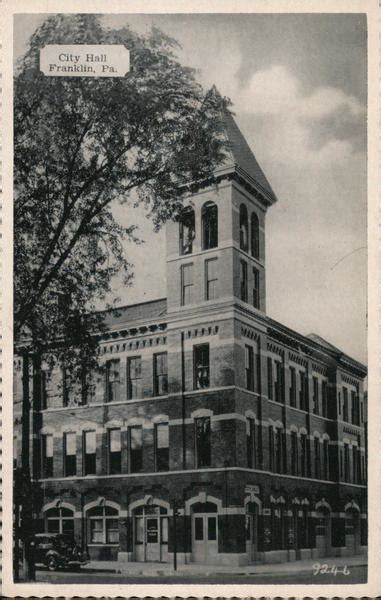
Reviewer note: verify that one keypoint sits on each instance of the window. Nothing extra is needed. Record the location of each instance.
(88, 385)
(354, 464)
(317, 457)
(279, 450)
(345, 404)
(47, 455)
(134, 377)
(294, 453)
(66, 386)
(243, 280)
(162, 446)
(201, 366)
(346, 462)
(114, 451)
(303, 393)
(103, 524)
(292, 386)
(249, 367)
(59, 520)
(89, 446)
(211, 279)
(324, 398)
(40, 382)
(325, 460)
(254, 235)
(209, 218)
(339, 401)
(278, 384)
(243, 228)
(251, 443)
(270, 383)
(186, 284)
(271, 449)
(304, 455)
(70, 454)
(187, 231)
(255, 288)
(203, 449)
(136, 448)
(315, 397)
(355, 408)
(160, 373)
(112, 380)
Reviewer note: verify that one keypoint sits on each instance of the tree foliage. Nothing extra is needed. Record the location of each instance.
(82, 144)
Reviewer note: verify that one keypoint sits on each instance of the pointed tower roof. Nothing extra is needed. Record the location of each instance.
(240, 157)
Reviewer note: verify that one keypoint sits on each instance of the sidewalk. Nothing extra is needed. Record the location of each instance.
(153, 569)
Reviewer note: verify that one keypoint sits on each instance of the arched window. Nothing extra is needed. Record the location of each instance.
(59, 520)
(254, 235)
(209, 219)
(243, 228)
(187, 230)
(103, 527)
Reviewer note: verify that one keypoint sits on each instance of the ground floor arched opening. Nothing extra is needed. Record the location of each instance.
(150, 533)
(204, 524)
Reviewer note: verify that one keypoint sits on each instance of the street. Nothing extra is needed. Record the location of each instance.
(357, 574)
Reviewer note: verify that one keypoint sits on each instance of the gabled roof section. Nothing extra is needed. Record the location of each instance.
(240, 156)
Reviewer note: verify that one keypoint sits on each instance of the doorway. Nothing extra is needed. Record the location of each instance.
(251, 526)
(151, 534)
(204, 533)
(323, 533)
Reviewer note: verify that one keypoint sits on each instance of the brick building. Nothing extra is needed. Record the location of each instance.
(209, 428)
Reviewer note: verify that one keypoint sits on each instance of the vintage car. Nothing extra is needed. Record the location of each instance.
(56, 550)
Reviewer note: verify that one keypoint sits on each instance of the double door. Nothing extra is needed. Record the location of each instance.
(204, 538)
(151, 538)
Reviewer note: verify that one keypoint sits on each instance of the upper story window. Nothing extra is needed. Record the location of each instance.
(203, 445)
(315, 398)
(324, 398)
(70, 454)
(355, 408)
(254, 235)
(345, 404)
(160, 373)
(162, 446)
(278, 384)
(243, 280)
(211, 279)
(47, 455)
(270, 378)
(294, 453)
(249, 367)
(114, 451)
(317, 457)
(346, 462)
(112, 380)
(279, 450)
(256, 288)
(304, 455)
(89, 451)
(201, 366)
(136, 448)
(187, 230)
(292, 386)
(243, 228)
(88, 385)
(40, 383)
(134, 377)
(186, 284)
(251, 443)
(303, 392)
(66, 386)
(209, 219)
(325, 459)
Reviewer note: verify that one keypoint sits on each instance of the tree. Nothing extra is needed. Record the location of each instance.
(82, 144)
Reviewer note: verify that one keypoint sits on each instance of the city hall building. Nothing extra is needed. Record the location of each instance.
(209, 429)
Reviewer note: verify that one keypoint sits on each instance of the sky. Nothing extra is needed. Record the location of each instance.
(299, 92)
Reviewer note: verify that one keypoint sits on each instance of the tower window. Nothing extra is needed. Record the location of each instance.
(201, 366)
(209, 218)
(186, 284)
(243, 228)
(187, 231)
(243, 280)
(134, 377)
(160, 374)
(211, 279)
(255, 288)
(112, 380)
(203, 449)
(114, 449)
(254, 235)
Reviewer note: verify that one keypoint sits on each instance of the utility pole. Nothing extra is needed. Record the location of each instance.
(174, 536)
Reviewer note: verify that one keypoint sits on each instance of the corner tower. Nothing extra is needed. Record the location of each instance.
(216, 252)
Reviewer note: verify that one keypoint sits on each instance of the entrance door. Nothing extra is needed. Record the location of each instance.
(251, 533)
(151, 534)
(204, 538)
(152, 539)
(323, 534)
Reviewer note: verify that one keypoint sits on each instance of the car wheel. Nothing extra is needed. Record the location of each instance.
(52, 563)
